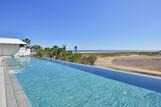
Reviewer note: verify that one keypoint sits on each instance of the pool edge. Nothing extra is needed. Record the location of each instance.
(15, 95)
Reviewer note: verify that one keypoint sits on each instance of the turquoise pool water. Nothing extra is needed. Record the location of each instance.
(50, 84)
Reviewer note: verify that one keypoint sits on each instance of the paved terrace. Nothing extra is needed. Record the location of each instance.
(11, 93)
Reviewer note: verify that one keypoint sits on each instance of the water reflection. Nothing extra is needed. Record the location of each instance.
(16, 65)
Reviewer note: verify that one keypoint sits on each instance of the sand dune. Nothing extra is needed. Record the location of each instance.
(134, 63)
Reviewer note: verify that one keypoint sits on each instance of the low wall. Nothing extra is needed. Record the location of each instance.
(23, 52)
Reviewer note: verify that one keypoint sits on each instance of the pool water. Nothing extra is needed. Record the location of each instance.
(52, 84)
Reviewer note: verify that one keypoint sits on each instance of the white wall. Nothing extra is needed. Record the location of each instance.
(13, 50)
(8, 49)
(23, 52)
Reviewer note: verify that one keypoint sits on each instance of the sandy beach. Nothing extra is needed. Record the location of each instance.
(150, 65)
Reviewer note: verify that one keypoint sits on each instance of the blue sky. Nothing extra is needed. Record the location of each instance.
(89, 24)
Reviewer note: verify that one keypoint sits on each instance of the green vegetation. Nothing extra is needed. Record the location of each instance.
(28, 42)
(61, 53)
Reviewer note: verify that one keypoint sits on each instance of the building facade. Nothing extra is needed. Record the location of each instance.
(13, 47)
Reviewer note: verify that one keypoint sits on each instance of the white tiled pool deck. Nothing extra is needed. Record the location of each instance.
(11, 93)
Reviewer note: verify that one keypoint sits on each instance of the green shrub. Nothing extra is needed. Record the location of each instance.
(62, 54)
(90, 60)
(39, 53)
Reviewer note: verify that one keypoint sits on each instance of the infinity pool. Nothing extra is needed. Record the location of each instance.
(61, 84)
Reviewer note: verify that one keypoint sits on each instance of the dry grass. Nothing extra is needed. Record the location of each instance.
(109, 54)
(146, 64)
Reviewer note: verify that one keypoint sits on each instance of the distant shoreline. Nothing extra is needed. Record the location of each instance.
(102, 51)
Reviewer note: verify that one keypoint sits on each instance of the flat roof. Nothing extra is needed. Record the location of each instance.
(11, 41)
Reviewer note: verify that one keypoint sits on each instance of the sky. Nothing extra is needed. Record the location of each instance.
(89, 24)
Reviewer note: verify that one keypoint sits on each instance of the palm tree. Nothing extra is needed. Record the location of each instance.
(54, 51)
(64, 47)
(75, 48)
(28, 42)
(55, 47)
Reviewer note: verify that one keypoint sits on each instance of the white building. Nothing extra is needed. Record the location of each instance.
(13, 47)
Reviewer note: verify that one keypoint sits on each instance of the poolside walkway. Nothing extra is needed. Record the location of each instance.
(11, 93)
(2, 86)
